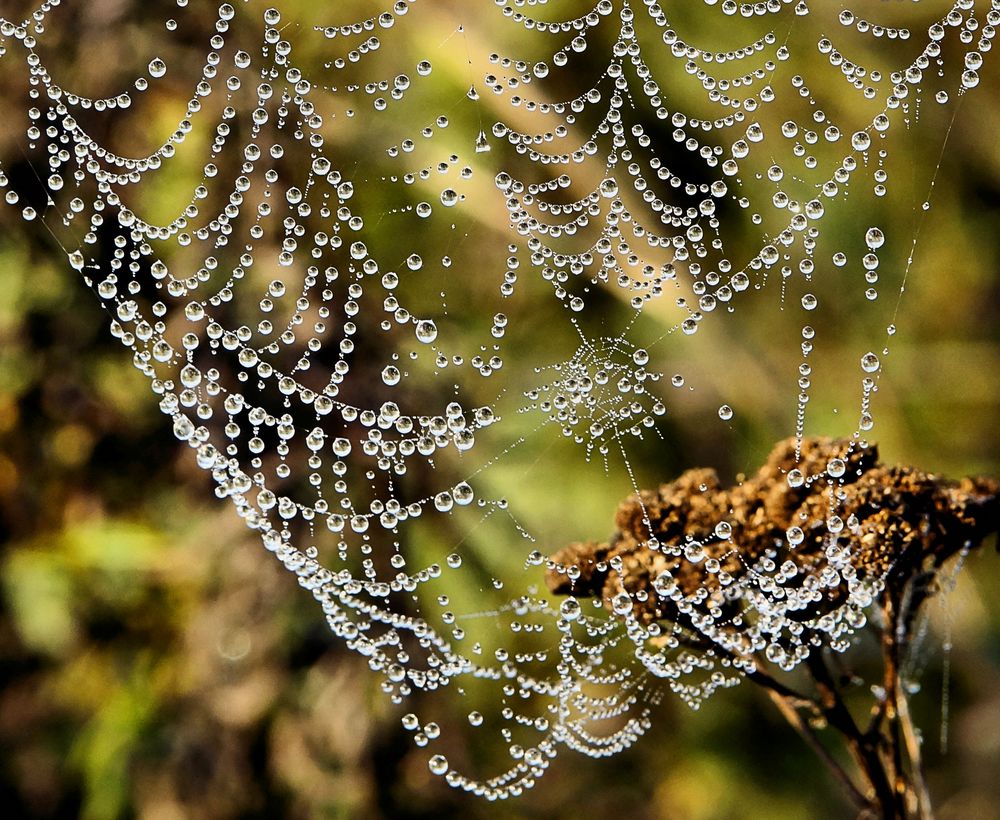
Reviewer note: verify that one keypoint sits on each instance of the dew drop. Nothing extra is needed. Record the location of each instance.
(970, 78)
(570, 609)
(870, 362)
(860, 141)
(426, 331)
(621, 604)
(874, 238)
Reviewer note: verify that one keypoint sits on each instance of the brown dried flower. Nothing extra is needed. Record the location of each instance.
(895, 520)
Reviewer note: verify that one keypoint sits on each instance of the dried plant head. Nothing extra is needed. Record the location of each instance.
(818, 508)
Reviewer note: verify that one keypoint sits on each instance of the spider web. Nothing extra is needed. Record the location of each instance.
(409, 289)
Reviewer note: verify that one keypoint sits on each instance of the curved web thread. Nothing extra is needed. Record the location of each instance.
(329, 364)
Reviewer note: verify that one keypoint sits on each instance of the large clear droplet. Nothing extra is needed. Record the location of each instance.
(874, 238)
(870, 362)
(426, 331)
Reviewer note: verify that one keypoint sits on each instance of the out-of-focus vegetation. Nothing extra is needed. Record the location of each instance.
(154, 664)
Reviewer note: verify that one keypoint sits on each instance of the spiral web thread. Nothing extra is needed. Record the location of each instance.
(301, 328)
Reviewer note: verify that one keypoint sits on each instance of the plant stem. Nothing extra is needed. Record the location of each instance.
(863, 747)
(916, 761)
(805, 731)
(891, 684)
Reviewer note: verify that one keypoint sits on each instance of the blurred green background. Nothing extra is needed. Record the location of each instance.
(155, 664)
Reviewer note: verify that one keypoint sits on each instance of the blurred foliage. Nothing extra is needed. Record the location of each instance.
(154, 664)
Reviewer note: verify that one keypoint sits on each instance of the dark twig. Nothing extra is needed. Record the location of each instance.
(806, 732)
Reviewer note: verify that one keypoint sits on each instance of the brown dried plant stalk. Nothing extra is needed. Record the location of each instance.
(902, 525)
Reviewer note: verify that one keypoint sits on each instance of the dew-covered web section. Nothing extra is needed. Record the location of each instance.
(409, 271)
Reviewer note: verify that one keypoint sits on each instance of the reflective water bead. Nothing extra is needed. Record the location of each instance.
(426, 331)
(870, 362)
(874, 238)
(570, 609)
